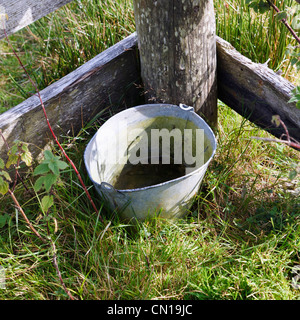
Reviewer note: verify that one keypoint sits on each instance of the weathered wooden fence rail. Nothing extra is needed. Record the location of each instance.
(109, 79)
(112, 78)
(255, 91)
(21, 13)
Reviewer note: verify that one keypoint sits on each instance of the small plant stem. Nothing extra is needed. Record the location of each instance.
(24, 215)
(286, 130)
(16, 174)
(271, 4)
(289, 143)
(54, 259)
(52, 132)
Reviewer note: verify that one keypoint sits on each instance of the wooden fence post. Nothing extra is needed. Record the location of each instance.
(177, 47)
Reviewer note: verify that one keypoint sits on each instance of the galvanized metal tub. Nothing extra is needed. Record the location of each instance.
(116, 143)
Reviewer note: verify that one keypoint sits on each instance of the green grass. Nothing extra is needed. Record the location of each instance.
(62, 41)
(240, 239)
(258, 37)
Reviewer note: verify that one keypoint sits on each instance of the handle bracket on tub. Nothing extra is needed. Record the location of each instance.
(185, 107)
(108, 187)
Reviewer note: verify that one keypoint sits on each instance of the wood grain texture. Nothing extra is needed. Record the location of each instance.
(255, 91)
(178, 53)
(109, 79)
(21, 13)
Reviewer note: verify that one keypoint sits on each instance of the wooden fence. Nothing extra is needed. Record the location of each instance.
(21, 13)
(113, 78)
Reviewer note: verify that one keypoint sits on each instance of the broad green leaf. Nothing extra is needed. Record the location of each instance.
(24, 146)
(61, 164)
(1, 164)
(260, 6)
(54, 167)
(14, 148)
(263, 6)
(19, 150)
(293, 99)
(41, 169)
(5, 175)
(46, 203)
(48, 155)
(27, 158)
(3, 186)
(50, 179)
(296, 91)
(54, 163)
(39, 184)
(12, 159)
(296, 97)
(45, 181)
(254, 6)
(3, 219)
(281, 15)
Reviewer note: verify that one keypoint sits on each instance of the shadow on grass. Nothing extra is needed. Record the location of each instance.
(247, 217)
